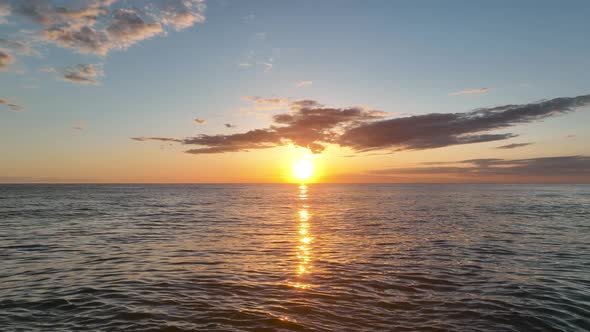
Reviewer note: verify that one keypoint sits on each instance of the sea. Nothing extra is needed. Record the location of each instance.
(288, 257)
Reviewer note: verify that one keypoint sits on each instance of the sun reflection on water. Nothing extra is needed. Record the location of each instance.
(305, 240)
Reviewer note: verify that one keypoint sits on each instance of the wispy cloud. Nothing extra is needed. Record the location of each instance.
(11, 105)
(200, 121)
(163, 139)
(84, 74)
(303, 84)
(562, 166)
(445, 129)
(229, 125)
(470, 92)
(312, 125)
(513, 145)
(266, 104)
(19, 47)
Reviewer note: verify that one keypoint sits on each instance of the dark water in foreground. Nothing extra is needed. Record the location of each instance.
(280, 257)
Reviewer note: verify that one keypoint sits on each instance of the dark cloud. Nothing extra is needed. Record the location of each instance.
(11, 105)
(563, 166)
(312, 125)
(440, 130)
(229, 125)
(200, 121)
(83, 40)
(513, 145)
(309, 124)
(128, 27)
(6, 58)
(254, 139)
(80, 74)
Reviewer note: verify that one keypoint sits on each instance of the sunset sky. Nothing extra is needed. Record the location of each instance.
(238, 91)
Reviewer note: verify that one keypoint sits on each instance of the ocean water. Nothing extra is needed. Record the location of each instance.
(288, 257)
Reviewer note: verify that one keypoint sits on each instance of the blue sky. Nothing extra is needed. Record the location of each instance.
(402, 57)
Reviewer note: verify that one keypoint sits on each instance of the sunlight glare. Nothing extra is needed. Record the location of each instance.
(303, 169)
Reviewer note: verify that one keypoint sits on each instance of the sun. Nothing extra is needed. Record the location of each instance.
(303, 169)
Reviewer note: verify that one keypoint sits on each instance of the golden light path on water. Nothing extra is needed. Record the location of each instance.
(305, 239)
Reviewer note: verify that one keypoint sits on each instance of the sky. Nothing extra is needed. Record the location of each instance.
(238, 91)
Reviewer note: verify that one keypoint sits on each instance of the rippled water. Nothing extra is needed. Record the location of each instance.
(284, 257)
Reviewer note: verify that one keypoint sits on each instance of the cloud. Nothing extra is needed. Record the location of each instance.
(93, 27)
(78, 127)
(439, 130)
(162, 139)
(470, 92)
(12, 106)
(559, 167)
(229, 125)
(127, 28)
(513, 145)
(19, 47)
(266, 104)
(303, 84)
(200, 121)
(312, 125)
(79, 74)
(182, 14)
(308, 124)
(6, 58)
(254, 139)
(74, 28)
(83, 40)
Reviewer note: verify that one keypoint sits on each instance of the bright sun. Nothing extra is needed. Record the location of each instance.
(303, 169)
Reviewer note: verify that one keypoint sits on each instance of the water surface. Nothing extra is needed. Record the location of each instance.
(284, 257)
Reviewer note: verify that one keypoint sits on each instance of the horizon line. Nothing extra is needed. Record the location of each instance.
(285, 183)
